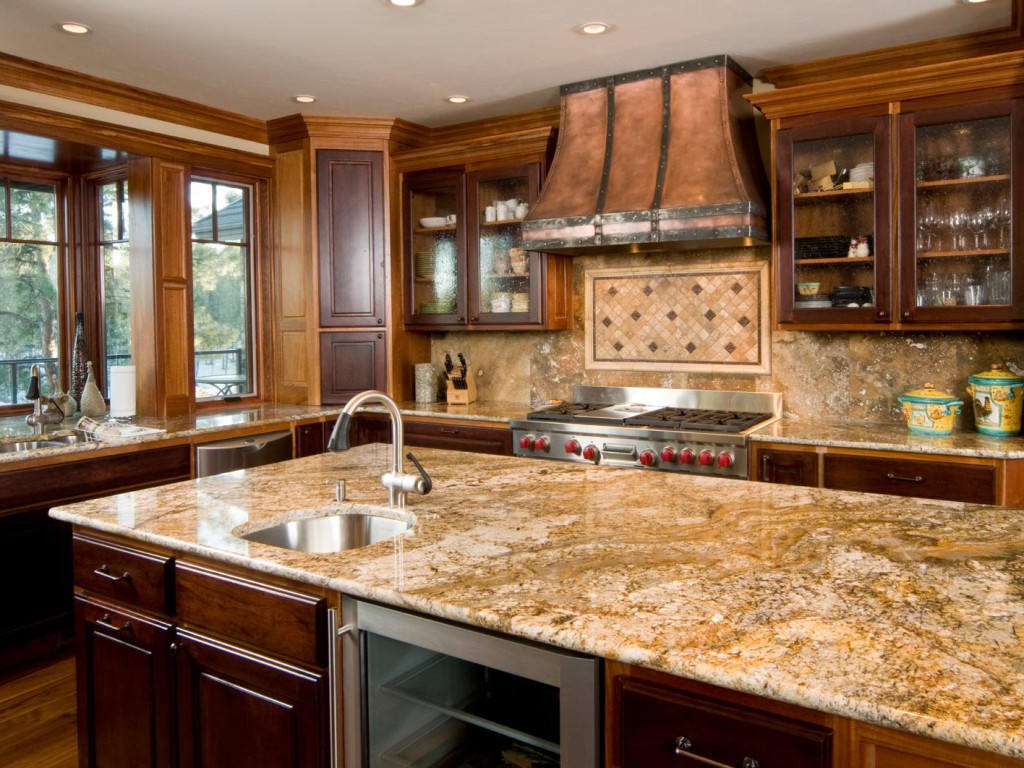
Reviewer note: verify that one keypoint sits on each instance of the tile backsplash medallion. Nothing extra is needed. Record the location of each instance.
(839, 376)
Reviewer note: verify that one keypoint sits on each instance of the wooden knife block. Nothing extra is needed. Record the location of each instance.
(461, 396)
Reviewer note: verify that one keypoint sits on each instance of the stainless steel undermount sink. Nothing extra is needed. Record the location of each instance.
(330, 533)
(20, 446)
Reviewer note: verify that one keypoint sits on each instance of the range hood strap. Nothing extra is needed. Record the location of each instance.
(666, 117)
(609, 137)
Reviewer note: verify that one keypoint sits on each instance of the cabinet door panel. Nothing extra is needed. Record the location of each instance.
(351, 362)
(788, 467)
(906, 477)
(662, 727)
(238, 709)
(350, 219)
(310, 440)
(125, 708)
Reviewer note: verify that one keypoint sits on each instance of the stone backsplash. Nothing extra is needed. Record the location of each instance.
(832, 375)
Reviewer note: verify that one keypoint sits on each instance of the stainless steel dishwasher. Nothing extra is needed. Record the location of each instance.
(243, 452)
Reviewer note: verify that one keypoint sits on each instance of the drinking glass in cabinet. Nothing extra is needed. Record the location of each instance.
(963, 212)
(834, 220)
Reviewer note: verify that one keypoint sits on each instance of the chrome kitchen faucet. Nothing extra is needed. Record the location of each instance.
(396, 481)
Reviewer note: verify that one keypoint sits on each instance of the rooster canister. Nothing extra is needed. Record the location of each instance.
(930, 411)
(996, 394)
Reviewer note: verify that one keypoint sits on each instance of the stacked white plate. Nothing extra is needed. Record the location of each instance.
(433, 221)
(520, 302)
(436, 307)
(425, 264)
(863, 172)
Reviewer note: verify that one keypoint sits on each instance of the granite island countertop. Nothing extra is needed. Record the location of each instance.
(896, 611)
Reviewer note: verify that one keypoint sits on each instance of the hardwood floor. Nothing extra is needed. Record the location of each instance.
(37, 716)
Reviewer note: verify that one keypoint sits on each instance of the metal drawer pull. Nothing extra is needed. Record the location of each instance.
(684, 745)
(915, 479)
(106, 621)
(446, 431)
(104, 571)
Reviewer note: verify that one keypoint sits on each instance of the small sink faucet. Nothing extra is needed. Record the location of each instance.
(396, 480)
(38, 418)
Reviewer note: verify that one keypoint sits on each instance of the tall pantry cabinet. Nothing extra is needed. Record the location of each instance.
(334, 318)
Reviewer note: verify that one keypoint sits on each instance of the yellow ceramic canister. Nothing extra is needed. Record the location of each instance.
(997, 401)
(930, 411)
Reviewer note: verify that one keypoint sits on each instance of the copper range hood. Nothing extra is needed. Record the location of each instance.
(656, 160)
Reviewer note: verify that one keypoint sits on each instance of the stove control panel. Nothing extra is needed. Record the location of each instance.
(706, 454)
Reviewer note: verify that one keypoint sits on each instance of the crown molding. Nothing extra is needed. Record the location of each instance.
(64, 83)
(882, 60)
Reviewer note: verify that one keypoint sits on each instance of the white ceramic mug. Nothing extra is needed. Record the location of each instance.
(521, 210)
(490, 213)
(503, 213)
(450, 218)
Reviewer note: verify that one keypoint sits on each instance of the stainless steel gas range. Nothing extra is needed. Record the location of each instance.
(675, 430)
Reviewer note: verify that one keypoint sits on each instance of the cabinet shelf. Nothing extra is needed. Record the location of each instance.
(503, 223)
(421, 685)
(506, 276)
(961, 182)
(851, 260)
(923, 255)
(434, 230)
(806, 197)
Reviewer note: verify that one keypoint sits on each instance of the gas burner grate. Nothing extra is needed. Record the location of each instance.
(565, 412)
(698, 419)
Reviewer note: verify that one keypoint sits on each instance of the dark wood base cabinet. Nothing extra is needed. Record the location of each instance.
(183, 664)
(462, 436)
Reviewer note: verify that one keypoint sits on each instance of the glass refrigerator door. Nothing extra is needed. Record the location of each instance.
(963, 226)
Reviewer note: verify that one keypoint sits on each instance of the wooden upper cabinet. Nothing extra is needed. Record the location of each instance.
(960, 168)
(350, 223)
(834, 242)
(919, 170)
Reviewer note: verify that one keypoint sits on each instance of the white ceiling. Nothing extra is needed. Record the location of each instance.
(364, 57)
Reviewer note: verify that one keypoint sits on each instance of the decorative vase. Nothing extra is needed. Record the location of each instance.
(79, 357)
(92, 403)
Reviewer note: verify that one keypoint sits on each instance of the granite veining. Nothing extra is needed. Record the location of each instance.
(903, 612)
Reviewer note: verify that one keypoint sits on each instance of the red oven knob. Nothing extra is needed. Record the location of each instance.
(573, 446)
(668, 455)
(526, 442)
(541, 444)
(686, 456)
(705, 458)
(590, 453)
(725, 460)
(648, 458)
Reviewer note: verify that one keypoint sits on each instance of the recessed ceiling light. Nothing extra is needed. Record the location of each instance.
(305, 99)
(594, 28)
(75, 28)
(972, 2)
(457, 99)
(404, 3)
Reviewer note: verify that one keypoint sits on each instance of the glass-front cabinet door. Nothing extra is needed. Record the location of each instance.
(834, 233)
(504, 279)
(436, 244)
(957, 220)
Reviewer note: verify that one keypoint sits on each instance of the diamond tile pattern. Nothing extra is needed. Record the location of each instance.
(677, 317)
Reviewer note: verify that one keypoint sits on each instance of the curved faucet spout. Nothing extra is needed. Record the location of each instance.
(396, 481)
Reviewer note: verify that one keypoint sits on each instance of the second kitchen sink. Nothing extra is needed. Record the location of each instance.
(330, 533)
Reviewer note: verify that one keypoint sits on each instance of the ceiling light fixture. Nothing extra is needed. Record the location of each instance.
(305, 99)
(457, 99)
(404, 3)
(594, 28)
(75, 28)
(973, 2)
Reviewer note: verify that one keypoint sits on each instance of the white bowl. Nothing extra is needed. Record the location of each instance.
(433, 221)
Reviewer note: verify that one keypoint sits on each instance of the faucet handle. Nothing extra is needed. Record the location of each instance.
(427, 482)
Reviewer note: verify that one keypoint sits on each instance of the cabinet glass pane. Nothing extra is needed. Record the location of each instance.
(834, 222)
(963, 213)
(504, 276)
(435, 249)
